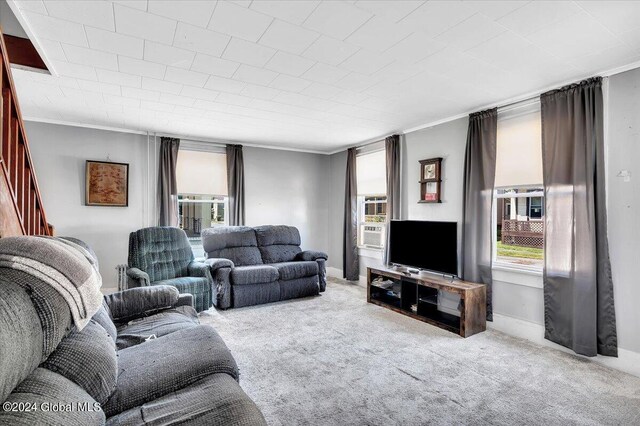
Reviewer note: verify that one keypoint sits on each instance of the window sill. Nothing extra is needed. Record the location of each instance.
(528, 277)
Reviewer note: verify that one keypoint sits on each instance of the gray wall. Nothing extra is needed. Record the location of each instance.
(624, 203)
(59, 154)
(290, 188)
(337, 169)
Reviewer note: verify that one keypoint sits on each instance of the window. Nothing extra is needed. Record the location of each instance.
(519, 194)
(202, 193)
(372, 199)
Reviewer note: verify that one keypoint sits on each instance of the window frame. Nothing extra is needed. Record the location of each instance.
(361, 222)
(508, 266)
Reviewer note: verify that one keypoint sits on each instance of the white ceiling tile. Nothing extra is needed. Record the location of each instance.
(435, 17)
(323, 91)
(194, 12)
(108, 41)
(610, 58)
(53, 49)
(238, 21)
(182, 76)
(136, 4)
(254, 75)
(356, 82)
(200, 40)
(98, 14)
(119, 100)
(617, 16)
(94, 86)
(336, 19)
(259, 92)
(349, 97)
(132, 92)
(32, 6)
(231, 99)
(90, 57)
(378, 34)
(224, 84)
(56, 29)
(330, 51)
(291, 11)
(631, 38)
(366, 62)
(538, 14)
(145, 25)
(74, 70)
(156, 106)
(139, 67)
(287, 63)
(288, 37)
(248, 53)
(119, 78)
(471, 32)
(178, 100)
(214, 66)
(242, 3)
(391, 10)
(290, 84)
(326, 74)
(496, 9)
(161, 85)
(168, 55)
(415, 48)
(567, 38)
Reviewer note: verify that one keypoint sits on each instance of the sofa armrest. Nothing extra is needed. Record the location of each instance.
(198, 269)
(185, 299)
(216, 263)
(140, 301)
(137, 278)
(308, 255)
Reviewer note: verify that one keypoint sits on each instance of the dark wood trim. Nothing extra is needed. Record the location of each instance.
(21, 51)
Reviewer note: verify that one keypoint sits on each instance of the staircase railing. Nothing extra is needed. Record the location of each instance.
(22, 212)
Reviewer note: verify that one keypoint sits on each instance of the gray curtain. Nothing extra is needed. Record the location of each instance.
(167, 185)
(350, 264)
(578, 289)
(392, 147)
(479, 177)
(235, 184)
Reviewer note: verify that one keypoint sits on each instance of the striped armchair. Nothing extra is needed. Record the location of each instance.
(163, 256)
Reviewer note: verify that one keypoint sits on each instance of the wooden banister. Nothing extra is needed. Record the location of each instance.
(21, 209)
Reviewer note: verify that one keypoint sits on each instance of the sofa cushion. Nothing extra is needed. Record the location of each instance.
(164, 365)
(163, 323)
(87, 358)
(279, 253)
(44, 388)
(103, 317)
(278, 243)
(299, 287)
(254, 274)
(191, 285)
(216, 400)
(236, 243)
(293, 270)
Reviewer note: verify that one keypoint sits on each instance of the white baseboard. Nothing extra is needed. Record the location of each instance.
(627, 361)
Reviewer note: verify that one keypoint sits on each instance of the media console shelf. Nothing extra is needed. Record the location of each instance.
(416, 296)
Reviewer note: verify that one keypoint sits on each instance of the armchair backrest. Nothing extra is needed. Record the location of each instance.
(278, 243)
(163, 252)
(236, 243)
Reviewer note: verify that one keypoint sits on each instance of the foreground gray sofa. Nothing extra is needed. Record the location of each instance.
(142, 359)
(263, 264)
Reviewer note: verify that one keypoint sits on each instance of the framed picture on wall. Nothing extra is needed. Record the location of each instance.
(106, 184)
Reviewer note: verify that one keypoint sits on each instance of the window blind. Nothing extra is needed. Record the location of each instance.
(371, 172)
(201, 172)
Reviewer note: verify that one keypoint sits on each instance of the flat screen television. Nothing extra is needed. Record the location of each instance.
(425, 245)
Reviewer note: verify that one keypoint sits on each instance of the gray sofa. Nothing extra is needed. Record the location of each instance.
(142, 359)
(263, 264)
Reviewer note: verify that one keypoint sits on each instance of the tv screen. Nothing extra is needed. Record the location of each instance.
(425, 245)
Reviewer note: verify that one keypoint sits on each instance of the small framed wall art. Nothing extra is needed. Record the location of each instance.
(106, 184)
(430, 180)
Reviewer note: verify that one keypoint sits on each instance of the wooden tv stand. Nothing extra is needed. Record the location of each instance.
(416, 296)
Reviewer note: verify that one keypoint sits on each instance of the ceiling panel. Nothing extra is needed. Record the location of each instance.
(317, 75)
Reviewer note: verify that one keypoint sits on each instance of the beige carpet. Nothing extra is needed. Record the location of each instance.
(336, 360)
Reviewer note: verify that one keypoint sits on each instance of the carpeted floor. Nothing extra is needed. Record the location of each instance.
(336, 360)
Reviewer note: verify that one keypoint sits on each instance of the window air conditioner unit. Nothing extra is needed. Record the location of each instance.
(373, 235)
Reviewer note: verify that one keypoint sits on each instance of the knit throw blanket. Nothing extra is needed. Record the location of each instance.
(65, 266)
